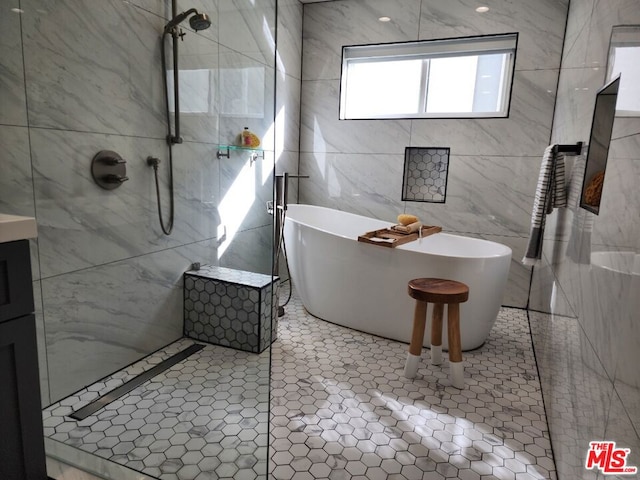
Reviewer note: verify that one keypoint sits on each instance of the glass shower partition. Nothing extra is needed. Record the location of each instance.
(208, 411)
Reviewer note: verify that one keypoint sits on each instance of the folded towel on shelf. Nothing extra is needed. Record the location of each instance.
(550, 194)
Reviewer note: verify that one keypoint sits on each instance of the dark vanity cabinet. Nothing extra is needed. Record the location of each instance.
(22, 454)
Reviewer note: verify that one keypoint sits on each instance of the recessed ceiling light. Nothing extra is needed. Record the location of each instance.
(384, 19)
(482, 9)
(17, 10)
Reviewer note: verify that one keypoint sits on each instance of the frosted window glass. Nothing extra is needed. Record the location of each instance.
(452, 83)
(626, 60)
(378, 88)
(459, 77)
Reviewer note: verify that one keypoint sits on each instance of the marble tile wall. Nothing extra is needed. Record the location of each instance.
(591, 266)
(78, 77)
(357, 165)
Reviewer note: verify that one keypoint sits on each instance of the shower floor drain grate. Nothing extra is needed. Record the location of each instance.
(135, 382)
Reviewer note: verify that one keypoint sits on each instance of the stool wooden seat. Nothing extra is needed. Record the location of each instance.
(438, 291)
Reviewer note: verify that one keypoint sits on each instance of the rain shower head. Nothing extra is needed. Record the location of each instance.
(199, 21)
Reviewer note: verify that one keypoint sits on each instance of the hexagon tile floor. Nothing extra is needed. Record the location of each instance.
(204, 418)
(340, 409)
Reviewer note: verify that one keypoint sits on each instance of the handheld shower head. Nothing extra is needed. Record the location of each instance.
(199, 21)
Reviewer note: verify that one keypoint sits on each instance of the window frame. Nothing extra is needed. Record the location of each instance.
(426, 50)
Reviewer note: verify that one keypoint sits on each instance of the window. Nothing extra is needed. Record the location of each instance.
(624, 52)
(461, 77)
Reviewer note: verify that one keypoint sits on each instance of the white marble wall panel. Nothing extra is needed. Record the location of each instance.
(576, 390)
(13, 108)
(603, 296)
(82, 225)
(16, 182)
(485, 194)
(251, 250)
(102, 67)
(576, 42)
(575, 103)
(540, 25)
(525, 132)
(516, 293)
(103, 318)
(366, 184)
(322, 131)
(287, 115)
(288, 162)
(547, 292)
(289, 48)
(249, 101)
(199, 84)
(248, 27)
(620, 427)
(606, 14)
(327, 27)
(245, 187)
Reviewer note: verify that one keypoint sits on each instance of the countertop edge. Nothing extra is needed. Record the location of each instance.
(14, 227)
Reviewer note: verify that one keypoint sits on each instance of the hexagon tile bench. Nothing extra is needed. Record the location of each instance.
(232, 308)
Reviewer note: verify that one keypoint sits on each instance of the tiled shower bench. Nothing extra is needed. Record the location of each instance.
(229, 307)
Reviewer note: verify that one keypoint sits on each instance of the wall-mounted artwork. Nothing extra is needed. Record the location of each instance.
(425, 174)
(603, 116)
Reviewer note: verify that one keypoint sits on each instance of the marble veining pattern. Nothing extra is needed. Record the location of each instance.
(524, 133)
(327, 27)
(103, 66)
(248, 28)
(82, 225)
(577, 392)
(289, 52)
(540, 26)
(12, 95)
(322, 131)
(106, 316)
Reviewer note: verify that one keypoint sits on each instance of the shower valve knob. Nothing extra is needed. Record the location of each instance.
(109, 169)
(115, 179)
(115, 161)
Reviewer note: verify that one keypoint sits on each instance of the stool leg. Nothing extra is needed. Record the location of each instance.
(456, 368)
(417, 336)
(436, 334)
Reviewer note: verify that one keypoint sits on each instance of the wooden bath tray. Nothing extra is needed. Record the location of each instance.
(390, 238)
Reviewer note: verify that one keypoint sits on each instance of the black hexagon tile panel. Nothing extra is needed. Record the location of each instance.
(425, 174)
(228, 307)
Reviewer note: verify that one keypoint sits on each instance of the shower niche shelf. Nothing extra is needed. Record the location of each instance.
(225, 151)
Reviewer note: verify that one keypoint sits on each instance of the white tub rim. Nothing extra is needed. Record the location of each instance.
(501, 249)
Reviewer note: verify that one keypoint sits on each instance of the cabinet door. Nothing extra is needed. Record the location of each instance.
(16, 289)
(21, 438)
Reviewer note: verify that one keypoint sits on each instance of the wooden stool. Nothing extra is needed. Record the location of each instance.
(437, 291)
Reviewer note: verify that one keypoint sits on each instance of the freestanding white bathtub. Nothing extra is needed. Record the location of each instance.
(364, 287)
